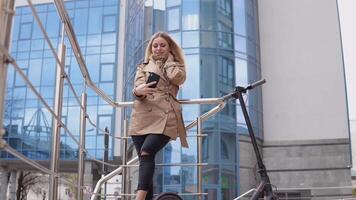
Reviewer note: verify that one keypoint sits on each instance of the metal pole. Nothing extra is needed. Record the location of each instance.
(124, 161)
(104, 169)
(106, 150)
(200, 158)
(6, 15)
(82, 146)
(53, 190)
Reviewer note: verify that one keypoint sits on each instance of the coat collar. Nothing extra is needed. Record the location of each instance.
(157, 67)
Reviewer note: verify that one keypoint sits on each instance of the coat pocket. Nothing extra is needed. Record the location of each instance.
(148, 122)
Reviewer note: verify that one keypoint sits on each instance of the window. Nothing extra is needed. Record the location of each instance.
(24, 45)
(19, 81)
(225, 36)
(47, 92)
(37, 44)
(191, 39)
(109, 23)
(106, 72)
(171, 3)
(16, 126)
(205, 149)
(224, 7)
(36, 31)
(34, 71)
(49, 69)
(190, 15)
(108, 58)
(226, 71)
(108, 88)
(173, 19)
(27, 18)
(93, 64)
(224, 150)
(108, 39)
(53, 25)
(94, 40)
(25, 30)
(95, 20)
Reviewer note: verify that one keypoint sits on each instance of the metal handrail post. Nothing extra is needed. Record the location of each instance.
(200, 158)
(82, 146)
(124, 161)
(56, 126)
(6, 15)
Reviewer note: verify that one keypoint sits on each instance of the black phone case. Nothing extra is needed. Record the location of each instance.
(153, 77)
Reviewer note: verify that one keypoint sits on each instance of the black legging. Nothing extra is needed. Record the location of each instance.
(150, 144)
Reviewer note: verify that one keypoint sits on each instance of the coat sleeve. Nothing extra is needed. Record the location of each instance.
(140, 78)
(175, 73)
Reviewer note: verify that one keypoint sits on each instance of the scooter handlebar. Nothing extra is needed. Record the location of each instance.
(255, 84)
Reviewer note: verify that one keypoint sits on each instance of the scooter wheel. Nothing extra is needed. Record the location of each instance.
(168, 196)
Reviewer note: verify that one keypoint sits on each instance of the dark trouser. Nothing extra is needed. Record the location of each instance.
(150, 144)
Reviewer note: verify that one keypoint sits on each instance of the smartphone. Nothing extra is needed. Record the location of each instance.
(153, 77)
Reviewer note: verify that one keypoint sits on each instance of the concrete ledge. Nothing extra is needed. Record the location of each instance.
(328, 154)
(310, 164)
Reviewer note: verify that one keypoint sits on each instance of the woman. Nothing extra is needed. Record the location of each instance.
(157, 116)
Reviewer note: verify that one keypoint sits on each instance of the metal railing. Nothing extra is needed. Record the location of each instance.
(122, 169)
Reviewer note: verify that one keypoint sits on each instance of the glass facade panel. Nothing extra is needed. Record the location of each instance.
(81, 21)
(109, 23)
(92, 21)
(190, 39)
(106, 72)
(25, 30)
(95, 19)
(171, 3)
(190, 15)
(173, 19)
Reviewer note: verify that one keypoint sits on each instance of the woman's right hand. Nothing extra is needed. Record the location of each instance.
(144, 89)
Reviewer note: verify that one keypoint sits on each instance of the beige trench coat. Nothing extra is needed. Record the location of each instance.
(160, 113)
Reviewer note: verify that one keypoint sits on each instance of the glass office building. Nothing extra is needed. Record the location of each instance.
(221, 46)
(28, 123)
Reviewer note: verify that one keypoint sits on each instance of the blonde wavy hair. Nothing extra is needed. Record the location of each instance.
(176, 51)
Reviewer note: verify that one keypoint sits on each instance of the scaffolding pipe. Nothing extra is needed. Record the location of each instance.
(56, 125)
(124, 161)
(200, 159)
(82, 147)
(6, 15)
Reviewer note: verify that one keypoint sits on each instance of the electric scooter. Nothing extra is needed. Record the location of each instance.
(264, 189)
